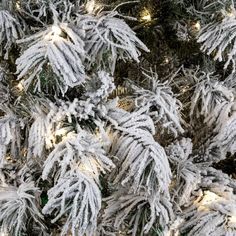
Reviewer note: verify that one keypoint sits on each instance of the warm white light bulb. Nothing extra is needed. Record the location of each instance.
(233, 219)
(231, 13)
(90, 5)
(50, 139)
(54, 34)
(208, 198)
(17, 7)
(185, 89)
(3, 234)
(197, 26)
(56, 30)
(20, 87)
(146, 16)
(61, 132)
(89, 167)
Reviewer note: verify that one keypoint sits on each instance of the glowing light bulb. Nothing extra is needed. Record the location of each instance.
(61, 132)
(167, 60)
(18, 5)
(20, 86)
(197, 26)
(54, 34)
(89, 166)
(145, 15)
(209, 198)
(185, 89)
(232, 221)
(173, 228)
(3, 234)
(230, 14)
(50, 139)
(56, 30)
(90, 6)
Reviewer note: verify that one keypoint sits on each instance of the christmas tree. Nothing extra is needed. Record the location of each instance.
(117, 118)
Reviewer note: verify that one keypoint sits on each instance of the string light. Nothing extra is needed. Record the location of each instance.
(173, 229)
(91, 166)
(90, 6)
(55, 33)
(3, 233)
(185, 89)
(232, 221)
(18, 5)
(209, 198)
(231, 12)
(50, 140)
(197, 26)
(145, 15)
(61, 132)
(20, 86)
(56, 30)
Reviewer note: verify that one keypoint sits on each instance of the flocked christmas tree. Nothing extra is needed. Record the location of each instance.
(117, 118)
